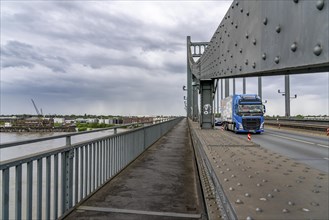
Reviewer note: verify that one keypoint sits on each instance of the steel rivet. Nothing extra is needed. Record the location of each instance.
(226, 180)
(265, 21)
(250, 176)
(240, 50)
(247, 13)
(291, 203)
(254, 41)
(258, 184)
(238, 201)
(259, 210)
(317, 50)
(228, 169)
(247, 195)
(249, 218)
(293, 47)
(277, 59)
(296, 1)
(239, 184)
(278, 29)
(320, 4)
(270, 195)
(236, 25)
(231, 189)
(314, 204)
(285, 210)
(237, 3)
(264, 56)
(246, 62)
(247, 36)
(264, 181)
(233, 176)
(241, 10)
(254, 65)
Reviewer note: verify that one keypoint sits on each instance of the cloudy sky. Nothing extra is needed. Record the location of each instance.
(119, 58)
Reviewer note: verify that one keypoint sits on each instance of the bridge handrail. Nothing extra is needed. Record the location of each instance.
(16, 143)
(68, 175)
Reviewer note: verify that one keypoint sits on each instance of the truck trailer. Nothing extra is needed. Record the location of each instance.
(243, 113)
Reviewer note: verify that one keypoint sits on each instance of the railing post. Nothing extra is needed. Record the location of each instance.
(67, 163)
(5, 193)
(115, 131)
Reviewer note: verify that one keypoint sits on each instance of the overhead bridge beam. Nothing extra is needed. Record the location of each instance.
(263, 38)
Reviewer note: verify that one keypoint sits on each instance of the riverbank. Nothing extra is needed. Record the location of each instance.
(37, 129)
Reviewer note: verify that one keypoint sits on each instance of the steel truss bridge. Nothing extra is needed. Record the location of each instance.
(181, 168)
(256, 39)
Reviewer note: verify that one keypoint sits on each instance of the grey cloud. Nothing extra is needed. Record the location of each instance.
(18, 54)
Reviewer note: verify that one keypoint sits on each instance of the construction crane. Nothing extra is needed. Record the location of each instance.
(36, 109)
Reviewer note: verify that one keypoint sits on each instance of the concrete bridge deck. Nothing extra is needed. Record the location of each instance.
(161, 184)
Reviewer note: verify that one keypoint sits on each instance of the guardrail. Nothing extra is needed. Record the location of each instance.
(315, 125)
(72, 172)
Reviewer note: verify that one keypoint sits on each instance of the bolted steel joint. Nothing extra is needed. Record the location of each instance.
(317, 50)
(293, 47)
(320, 4)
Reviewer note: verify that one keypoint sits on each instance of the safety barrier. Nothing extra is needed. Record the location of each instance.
(48, 185)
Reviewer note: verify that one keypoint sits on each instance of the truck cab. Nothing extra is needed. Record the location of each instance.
(243, 113)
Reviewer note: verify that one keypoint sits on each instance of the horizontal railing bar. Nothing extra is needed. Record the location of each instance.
(31, 157)
(97, 160)
(16, 143)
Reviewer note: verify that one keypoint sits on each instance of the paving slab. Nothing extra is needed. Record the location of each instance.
(260, 184)
(161, 184)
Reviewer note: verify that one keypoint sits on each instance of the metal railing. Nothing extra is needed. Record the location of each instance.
(47, 185)
(315, 125)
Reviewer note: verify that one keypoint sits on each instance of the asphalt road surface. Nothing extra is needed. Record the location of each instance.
(309, 149)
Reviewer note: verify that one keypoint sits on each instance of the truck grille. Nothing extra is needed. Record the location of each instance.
(251, 123)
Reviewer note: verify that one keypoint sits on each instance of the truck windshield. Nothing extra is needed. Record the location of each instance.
(250, 109)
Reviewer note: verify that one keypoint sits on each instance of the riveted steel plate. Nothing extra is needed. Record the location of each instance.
(262, 184)
(259, 38)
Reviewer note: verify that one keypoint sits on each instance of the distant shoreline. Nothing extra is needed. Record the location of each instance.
(37, 129)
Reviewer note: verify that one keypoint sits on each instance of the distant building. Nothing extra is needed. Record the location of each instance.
(59, 120)
(35, 122)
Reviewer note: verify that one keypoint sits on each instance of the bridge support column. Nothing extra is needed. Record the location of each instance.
(195, 103)
(287, 94)
(244, 85)
(207, 116)
(260, 87)
(227, 87)
(189, 82)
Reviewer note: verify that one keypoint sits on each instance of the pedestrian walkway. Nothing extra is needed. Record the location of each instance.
(161, 184)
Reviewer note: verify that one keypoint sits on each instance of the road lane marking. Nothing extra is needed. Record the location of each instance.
(301, 141)
(321, 145)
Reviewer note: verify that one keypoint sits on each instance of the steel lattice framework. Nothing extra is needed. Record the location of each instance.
(259, 38)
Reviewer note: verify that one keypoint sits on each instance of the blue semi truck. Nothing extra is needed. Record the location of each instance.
(243, 113)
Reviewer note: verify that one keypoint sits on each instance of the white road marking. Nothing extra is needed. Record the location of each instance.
(301, 141)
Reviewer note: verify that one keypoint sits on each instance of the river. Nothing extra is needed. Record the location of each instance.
(26, 149)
